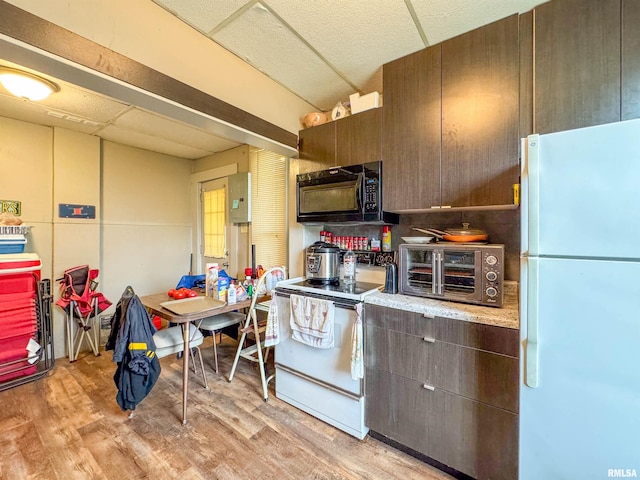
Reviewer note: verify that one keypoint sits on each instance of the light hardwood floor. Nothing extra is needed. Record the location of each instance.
(69, 426)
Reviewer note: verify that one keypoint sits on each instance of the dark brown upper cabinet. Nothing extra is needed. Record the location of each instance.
(451, 122)
(351, 140)
(359, 138)
(411, 131)
(526, 74)
(317, 147)
(578, 61)
(630, 59)
(480, 115)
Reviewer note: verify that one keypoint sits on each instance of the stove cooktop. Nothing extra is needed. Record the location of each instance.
(354, 292)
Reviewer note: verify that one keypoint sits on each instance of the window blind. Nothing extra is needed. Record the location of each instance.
(269, 207)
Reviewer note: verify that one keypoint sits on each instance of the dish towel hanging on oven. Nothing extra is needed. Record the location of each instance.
(272, 333)
(357, 346)
(312, 321)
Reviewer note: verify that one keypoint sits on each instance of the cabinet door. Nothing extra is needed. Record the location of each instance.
(403, 321)
(502, 340)
(416, 358)
(359, 138)
(480, 115)
(630, 59)
(317, 147)
(411, 131)
(526, 74)
(480, 375)
(479, 440)
(577, 64)
(404, 411)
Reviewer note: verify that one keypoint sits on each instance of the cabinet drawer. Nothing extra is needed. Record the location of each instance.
(477, 335)
(479, 375)
(480, 440)
(401, 354)
(403, 410)
(399, 320)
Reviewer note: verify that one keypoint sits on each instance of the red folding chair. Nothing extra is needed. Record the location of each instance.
(82, 304)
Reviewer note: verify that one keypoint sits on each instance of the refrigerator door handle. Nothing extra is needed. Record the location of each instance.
(530, 191)
(531, 312)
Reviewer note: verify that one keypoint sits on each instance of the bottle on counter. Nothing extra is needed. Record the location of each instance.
(231, 294)
(386, 239)
(349, 266)
(248, 285)
(211, 285)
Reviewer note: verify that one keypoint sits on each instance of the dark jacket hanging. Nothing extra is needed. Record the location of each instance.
(131, 339)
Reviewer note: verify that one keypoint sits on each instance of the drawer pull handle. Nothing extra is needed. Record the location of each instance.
(426, 386)
(429, 339)
(426, 315)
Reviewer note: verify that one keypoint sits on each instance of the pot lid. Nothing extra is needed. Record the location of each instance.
(323, 247)
(465, 230)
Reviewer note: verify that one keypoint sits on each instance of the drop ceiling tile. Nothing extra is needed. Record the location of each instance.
(357, 40)
(18, 109)
(260, 39)
(444, 19)
(126, 136)
(142, 121)
(203, 15)
(80, 102)
(74, 100)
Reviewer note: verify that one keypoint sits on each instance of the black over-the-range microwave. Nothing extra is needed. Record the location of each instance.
(342, 194)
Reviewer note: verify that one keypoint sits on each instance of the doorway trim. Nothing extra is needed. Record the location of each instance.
(197, 179)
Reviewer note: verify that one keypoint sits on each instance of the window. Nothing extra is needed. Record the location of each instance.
(213, 205)
(269, 207)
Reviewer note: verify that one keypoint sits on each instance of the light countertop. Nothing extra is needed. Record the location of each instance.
(507, 316)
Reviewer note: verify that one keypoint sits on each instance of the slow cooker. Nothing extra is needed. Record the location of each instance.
(323, 263)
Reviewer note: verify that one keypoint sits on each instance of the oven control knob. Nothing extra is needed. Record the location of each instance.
(492, 276)
(491, 260)
(491, 292)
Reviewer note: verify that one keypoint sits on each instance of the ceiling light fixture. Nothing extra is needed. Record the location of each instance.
(26, 85)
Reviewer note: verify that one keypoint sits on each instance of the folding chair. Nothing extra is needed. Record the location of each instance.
(254, 352)
(82, 304)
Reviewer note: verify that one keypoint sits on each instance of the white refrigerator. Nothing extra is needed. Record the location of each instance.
(580, 304)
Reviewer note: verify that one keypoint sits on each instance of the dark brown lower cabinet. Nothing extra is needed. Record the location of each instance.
(480, 375)
(478, 439)
(405, 411)
(445, 388)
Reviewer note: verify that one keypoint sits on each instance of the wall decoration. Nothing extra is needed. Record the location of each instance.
(11, 206)
(66, 210)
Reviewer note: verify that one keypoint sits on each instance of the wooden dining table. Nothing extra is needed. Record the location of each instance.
(153, 304)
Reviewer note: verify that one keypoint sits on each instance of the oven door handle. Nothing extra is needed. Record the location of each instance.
(320, 383)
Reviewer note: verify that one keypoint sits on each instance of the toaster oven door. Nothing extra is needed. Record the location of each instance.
(461, 274)
(431, 271)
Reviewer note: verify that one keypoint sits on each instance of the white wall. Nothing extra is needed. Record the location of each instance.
(141, 235)
(146, 224)
(76, 180)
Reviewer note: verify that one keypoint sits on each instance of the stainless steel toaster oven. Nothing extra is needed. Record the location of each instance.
(466, 273)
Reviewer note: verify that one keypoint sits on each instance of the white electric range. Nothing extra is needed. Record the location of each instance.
(318, 381)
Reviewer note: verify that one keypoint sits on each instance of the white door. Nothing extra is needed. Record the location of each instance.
(218, 242)
(583, 191)
(580, 368)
